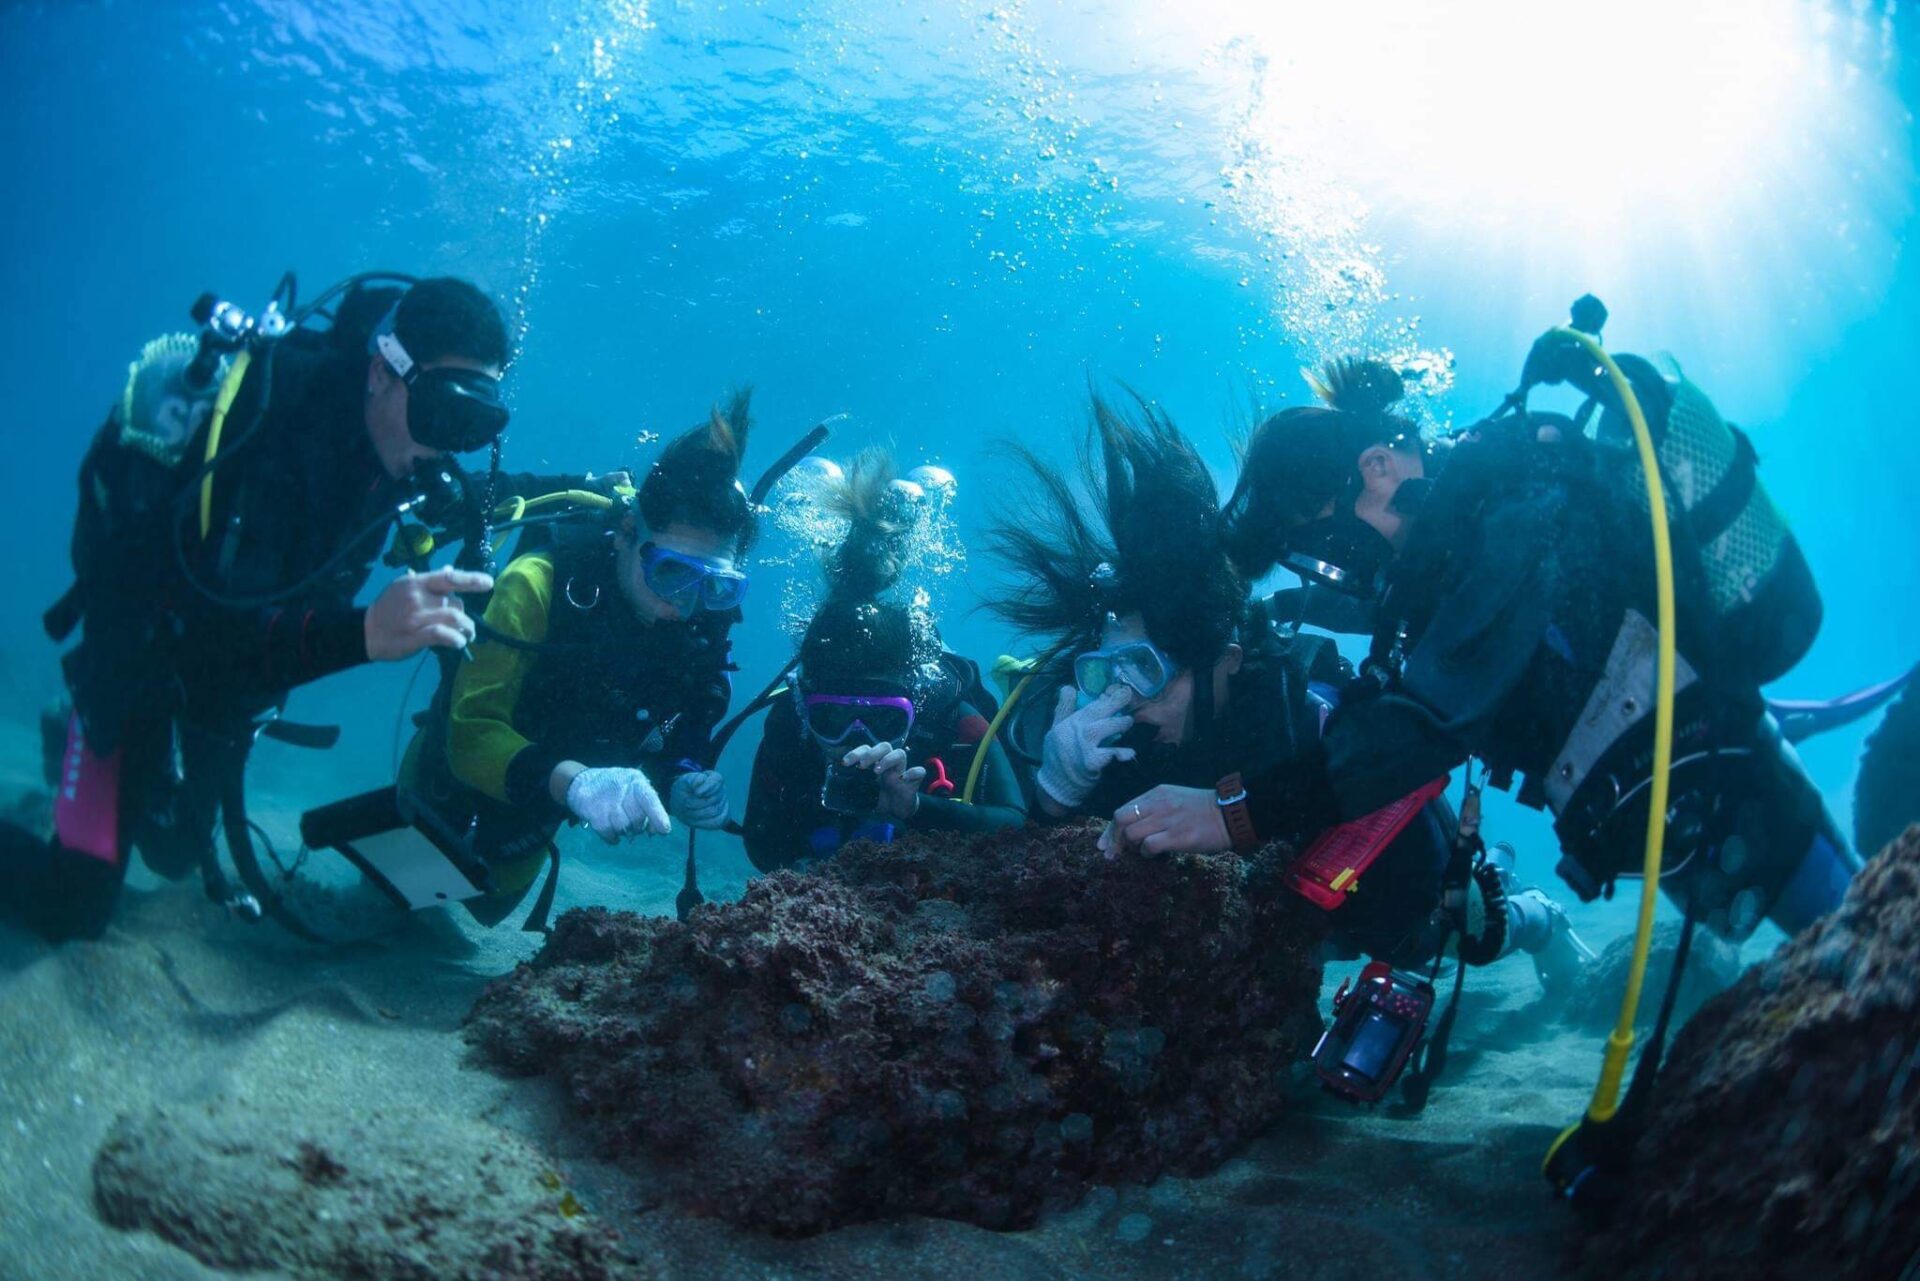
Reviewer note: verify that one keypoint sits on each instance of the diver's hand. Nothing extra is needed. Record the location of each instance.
(899, 786)
(617, 803)
(610, 483)
(1186, 819)
(699, 799)
(418, 610)
(1074, 754)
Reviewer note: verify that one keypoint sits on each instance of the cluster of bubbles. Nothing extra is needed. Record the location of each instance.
(1031, 110)
(587, 63)
(1326, 279)
(806, 532)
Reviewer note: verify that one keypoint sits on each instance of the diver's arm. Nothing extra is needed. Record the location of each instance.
(272, 649)
(484, 749)
(1468, 664)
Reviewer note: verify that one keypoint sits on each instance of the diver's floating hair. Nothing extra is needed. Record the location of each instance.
(874, 553)
(1357, 385)
(696, 478)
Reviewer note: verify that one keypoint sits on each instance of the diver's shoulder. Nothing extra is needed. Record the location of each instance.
(531, 573)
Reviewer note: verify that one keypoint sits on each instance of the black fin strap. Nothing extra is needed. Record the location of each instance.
(536, 922)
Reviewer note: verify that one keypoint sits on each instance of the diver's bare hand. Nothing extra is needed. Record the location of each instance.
(419, 610)
(899, 785)
(1186, 819)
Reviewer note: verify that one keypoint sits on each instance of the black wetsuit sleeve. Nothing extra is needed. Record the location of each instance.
(1467, 666)
(783, 794)
(997, 800)
(286, 646)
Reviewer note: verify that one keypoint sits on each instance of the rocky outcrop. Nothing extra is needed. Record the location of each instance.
(366, 1192)
(1784, 1134)
(1886, 796)
(1593, 1001)
(969, 1027)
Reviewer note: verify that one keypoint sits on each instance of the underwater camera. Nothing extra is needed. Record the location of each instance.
(1378, 1021)
(850, 790)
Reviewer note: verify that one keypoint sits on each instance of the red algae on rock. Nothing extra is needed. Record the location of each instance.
(969, 1027)
(1784, 1136)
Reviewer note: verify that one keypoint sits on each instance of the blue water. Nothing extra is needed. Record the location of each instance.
(944, 221)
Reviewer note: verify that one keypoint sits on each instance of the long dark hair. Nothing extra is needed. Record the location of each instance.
(1299, 460)
(696, 479)
(855, 635)
(1146, 539)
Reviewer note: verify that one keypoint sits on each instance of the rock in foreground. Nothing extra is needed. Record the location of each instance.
(975, 1028)
(366, 1193)
(1783, 1140)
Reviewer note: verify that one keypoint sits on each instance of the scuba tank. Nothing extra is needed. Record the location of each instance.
(1762, 604)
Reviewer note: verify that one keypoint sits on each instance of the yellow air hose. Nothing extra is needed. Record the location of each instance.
(999, 719)
(515, 508)
(1613, 1068)
(229, 389)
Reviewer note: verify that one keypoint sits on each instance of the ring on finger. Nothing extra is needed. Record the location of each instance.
(1136, 812)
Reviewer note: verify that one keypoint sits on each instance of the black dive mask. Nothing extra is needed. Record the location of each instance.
(1341, 551)
(454, 410)
(450, 409)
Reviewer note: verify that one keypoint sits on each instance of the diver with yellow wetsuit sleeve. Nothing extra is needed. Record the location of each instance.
(602, 668)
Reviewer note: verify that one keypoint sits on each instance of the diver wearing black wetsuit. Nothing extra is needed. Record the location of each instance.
(1272, 718)
(565, 670)
(1520, 605)
(787, 823)
(196, 626)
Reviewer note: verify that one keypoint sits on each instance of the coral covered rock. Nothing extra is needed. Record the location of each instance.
(1784, 1139)
(1886, 797)
(1713, 966)
(364, 1192)
(971, 1027)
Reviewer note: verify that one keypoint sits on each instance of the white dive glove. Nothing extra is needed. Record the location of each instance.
(1074, 754)
(616, 803)
(699, 799)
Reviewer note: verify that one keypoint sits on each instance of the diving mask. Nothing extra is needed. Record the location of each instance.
(690, 582)
(1139, 665)
(451, 409)
(833, 719)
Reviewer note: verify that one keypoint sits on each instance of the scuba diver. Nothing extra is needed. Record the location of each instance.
(881, 733)
(1511, 597)
(602, 667)
(231, 508)
(1175, 680)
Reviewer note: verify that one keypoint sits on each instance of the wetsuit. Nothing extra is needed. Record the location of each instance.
(786, 824)
(173, 682)
(1273, 715)
(564, 671)
(1525, 594)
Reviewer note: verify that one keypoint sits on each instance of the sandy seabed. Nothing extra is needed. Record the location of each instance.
(178, 1007)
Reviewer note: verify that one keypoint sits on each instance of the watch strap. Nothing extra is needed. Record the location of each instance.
(1230, 794)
